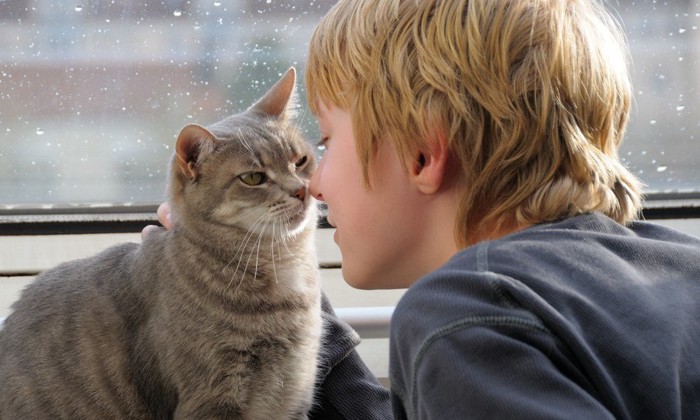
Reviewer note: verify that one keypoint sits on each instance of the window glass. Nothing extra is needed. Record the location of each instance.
(92, 94)
(662, 145)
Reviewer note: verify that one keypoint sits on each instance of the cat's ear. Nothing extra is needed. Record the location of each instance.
(192, 141)
(281, 100)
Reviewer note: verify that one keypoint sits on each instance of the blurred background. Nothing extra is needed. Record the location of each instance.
(93, 93)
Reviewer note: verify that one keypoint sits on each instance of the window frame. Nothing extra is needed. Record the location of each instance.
(85, 219)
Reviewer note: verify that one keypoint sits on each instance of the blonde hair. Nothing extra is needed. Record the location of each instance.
(533, 97)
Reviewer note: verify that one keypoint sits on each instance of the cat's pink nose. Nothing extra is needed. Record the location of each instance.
(300, 193)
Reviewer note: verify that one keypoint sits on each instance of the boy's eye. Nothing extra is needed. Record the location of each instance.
(301, 162)
(321, 146)
(253, 178)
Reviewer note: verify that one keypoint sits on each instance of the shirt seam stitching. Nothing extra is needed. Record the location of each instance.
(486, 320)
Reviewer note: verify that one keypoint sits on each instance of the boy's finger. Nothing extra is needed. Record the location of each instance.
(164, 218)
(148, 230)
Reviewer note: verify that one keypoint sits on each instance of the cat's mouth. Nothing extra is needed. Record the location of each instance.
(297, 216)
(292, 216)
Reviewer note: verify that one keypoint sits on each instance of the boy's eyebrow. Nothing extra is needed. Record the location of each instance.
(319, 112)
(321, 108)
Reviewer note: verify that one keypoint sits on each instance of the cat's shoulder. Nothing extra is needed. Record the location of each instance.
(106, 258)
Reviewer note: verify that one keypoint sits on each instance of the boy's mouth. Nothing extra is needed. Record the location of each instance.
(329, 219)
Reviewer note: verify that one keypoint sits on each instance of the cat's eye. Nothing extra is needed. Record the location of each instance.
(301, 162)
(253, 178)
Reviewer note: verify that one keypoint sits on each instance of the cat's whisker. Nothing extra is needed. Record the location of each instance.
(245, 269)
(257, 254)
(239, 253)
(245, 240)
(272, 250)
(249, 235)
(276, 241)
(287, 227)
(279, 250)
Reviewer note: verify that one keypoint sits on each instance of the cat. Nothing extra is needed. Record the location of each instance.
(218, 317)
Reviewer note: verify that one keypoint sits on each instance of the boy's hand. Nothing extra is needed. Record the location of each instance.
(164, 218)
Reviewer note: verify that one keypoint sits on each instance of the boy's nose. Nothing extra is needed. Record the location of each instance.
(315, 182)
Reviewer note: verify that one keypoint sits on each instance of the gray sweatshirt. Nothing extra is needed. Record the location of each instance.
(583, 318)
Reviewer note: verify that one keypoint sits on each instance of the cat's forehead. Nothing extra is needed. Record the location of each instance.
(264, 140)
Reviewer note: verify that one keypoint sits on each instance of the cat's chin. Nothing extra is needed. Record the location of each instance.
(297, 222)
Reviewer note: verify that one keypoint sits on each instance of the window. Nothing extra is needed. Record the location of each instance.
(663, 140)
(93, 93)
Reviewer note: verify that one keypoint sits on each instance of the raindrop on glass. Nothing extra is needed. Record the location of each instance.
(661, 168)
(177, 13)
(79, 8)
(39, 131)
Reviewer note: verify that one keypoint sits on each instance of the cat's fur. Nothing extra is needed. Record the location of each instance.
(217, 318)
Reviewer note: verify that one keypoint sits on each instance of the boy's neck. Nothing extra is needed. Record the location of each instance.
(490, 231)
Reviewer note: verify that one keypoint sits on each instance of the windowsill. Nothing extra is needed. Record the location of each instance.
(131, 218)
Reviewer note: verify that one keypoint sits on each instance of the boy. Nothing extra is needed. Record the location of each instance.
(471, 155)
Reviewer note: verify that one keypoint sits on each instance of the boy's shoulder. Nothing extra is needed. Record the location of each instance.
(583, 257)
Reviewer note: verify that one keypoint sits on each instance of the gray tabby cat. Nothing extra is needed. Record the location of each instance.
(217, 318)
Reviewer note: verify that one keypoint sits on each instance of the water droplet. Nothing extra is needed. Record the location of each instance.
(79, 8)
(177, 13)
(652, 122)
(680, 108)
(40, 132)
(661, 168)
(269, 1)
(217, 3)
(681, 30)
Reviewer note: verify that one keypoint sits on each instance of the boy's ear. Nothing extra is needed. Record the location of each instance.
(429, 166)
(192, 141)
